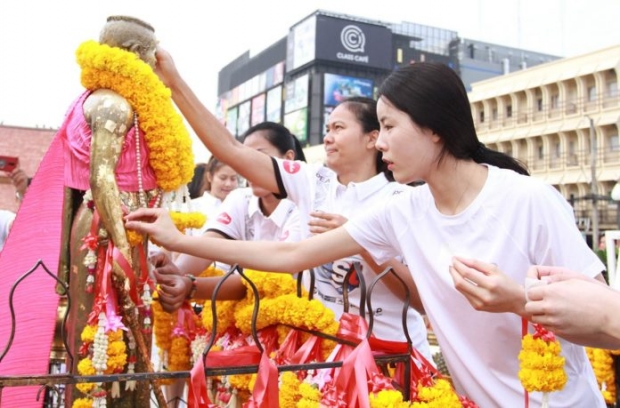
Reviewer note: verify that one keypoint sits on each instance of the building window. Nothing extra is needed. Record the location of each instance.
(494, 114)
(509, 111)
(557, 150)
(612, 89)
(591, 93)
(541, 152)
(555, 101)
(539, 104)
(482, 116)
(614, 143)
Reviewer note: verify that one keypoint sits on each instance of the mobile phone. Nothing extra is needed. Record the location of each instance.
(8, 163)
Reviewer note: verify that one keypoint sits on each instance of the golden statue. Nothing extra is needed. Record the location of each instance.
(118, 137)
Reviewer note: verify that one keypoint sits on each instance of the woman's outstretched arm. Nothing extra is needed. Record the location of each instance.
(259, 255)
(253, 165)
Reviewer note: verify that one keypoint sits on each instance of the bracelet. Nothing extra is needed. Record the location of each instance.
(192, 279)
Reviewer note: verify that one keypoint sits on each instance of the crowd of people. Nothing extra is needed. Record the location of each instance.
(406, 184)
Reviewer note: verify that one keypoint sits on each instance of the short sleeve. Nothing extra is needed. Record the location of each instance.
(231, 215)
(295, 179)
(373, 232)
(557, 240)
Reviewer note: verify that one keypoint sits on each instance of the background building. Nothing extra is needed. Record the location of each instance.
(29, 145)
(561, 119)
(326, 57)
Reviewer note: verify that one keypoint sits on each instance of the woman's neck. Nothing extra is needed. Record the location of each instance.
(356, 173)
(268, 204)
(456, 185)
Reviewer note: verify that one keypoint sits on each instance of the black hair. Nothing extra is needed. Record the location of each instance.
(196, 185)
(279, 137)
(365, 111)
(434, 97)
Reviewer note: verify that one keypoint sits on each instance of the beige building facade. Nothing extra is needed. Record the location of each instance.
(561, 119)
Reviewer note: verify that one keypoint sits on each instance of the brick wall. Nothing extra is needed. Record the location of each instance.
(30, 145)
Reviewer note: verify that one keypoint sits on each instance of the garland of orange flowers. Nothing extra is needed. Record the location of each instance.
(542, 366)
(168, 141)
(603, 365)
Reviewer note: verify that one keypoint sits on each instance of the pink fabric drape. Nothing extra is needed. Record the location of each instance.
(35, 235)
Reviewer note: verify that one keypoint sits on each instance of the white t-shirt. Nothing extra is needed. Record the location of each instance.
(241, 218)
(515, 222)
(316, 188)
(6, 219)
(208, 205)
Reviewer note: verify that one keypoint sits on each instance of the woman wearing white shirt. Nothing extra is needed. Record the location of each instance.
(220, 180)
(468, 236)
(352, 181)
(247, 214)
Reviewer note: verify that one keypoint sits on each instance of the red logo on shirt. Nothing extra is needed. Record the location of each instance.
(291, 167)
(224, 218)
(284, 235)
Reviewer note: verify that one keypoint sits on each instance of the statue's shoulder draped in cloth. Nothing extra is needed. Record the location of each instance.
(122, 146)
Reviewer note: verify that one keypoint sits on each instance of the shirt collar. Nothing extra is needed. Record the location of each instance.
(366, 188)
(278, 216)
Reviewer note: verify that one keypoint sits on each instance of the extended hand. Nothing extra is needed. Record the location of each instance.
(575, 309)
(19, 180)
(173, 288)
(323, 222)
(157, 223)
(165, 68)
(486, 287)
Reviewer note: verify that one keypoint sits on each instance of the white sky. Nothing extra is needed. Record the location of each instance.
(39, 77)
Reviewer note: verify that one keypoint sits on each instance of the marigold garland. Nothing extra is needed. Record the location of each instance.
(603, 366)
(542, 366)
(168, 141)
(310, 396)
(440, 394)
(388, 399)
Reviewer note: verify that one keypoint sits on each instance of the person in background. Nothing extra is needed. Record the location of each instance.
(196, 187)
(6, 220)
(21, 182)
(247, 214)
(580, 309)
(468, 236)
(354, 180)
(219, 180)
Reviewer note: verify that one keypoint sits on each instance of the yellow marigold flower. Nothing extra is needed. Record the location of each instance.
(82, 403)
(183, 221)
(88, 333)
(85, 388)
(387, 399)
(241, 381)
(289, 389)
(178, 359)
(309, 392)
(542, 366)
(225, 310)
(85, 367)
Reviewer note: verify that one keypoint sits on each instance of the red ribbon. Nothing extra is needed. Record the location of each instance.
(265, 393)
(245, 355)
(352, 381)
(197, 396)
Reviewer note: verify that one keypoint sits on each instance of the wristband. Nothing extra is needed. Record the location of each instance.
(192, 279)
